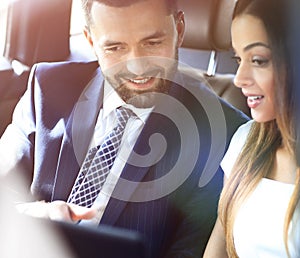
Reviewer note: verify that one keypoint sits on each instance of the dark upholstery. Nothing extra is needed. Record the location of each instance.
(208, 29)
(207, 23)
(38, 31)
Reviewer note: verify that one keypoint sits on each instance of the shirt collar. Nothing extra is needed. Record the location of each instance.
(113, 101)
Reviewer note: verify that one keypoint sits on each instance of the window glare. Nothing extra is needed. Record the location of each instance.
(77, 18)
(3, 18)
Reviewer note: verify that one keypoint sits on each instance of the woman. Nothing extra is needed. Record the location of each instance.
(259, 209)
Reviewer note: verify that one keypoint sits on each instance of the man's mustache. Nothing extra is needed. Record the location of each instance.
(155, 72)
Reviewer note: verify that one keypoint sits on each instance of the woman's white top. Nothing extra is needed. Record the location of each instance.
(259, 224)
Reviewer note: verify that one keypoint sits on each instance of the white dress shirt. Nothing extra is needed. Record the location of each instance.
(105, 123)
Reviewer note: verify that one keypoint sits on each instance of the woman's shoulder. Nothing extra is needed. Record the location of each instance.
(236, 144)
(243, 130)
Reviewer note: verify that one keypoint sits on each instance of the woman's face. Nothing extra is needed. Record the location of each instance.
(255, 74)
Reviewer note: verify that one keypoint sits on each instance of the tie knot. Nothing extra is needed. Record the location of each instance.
(123, 114)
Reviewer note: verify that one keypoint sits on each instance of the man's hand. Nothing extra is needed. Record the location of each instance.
(56, 210)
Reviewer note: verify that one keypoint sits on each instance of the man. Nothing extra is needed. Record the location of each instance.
(165, 181)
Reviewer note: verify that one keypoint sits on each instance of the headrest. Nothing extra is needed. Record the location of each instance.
(38, 30)
(207, 23)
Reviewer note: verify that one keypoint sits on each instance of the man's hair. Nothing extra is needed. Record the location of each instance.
(87, 5)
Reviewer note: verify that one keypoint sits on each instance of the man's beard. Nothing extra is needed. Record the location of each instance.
(144, 98)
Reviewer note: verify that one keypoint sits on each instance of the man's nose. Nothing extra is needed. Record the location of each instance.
(137, 63)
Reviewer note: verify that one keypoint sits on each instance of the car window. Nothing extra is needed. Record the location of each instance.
(77, 18)
(3, 15)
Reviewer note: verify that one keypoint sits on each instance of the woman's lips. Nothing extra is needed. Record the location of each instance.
(254, 101)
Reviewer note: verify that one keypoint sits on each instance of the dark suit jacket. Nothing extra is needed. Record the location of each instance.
(171, 200)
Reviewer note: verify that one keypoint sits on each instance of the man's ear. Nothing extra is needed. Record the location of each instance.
(180, 27)
(88, 36)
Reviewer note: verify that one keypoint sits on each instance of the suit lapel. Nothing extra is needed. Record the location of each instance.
(131, 173)
(127, 188)
(77, 136)
(124, 192)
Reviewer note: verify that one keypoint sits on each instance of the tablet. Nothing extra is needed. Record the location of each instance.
(104, 241)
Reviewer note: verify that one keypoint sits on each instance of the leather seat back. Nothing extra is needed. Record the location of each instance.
(38, 30)
(207, 23)
(208, 30)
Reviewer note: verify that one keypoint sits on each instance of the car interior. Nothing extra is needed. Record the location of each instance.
(33, 31)
(41, 31)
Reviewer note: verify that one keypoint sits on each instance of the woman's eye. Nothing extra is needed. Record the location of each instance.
(237, 59)
(260, 61)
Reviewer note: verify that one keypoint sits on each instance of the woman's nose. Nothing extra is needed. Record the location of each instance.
(243, 76)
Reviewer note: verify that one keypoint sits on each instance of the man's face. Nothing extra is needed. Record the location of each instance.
(136, 46)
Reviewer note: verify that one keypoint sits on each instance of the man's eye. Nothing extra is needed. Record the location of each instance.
(153, 43)
(113, 49)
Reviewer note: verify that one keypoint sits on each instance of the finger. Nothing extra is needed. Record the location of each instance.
(79, 213)
(35, 209)
(59, 210)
